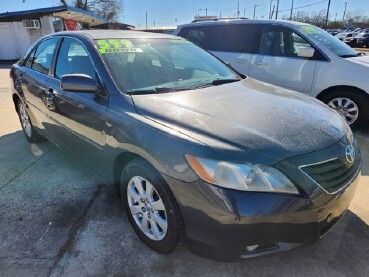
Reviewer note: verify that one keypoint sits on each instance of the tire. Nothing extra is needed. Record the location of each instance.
(151, 211)
(28, 129)
(357, 98)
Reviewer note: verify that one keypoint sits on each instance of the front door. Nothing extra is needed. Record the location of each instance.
(235, 45)
(77, 119)
(277, 62)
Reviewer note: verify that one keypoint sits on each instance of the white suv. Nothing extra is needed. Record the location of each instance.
(293, 55)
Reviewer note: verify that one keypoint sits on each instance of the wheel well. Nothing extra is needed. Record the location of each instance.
(325, 92)
(119, 164)
(16, 101)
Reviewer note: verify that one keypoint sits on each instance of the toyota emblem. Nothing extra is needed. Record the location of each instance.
(350, 154)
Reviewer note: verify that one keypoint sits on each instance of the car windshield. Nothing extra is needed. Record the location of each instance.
(161, 65)
(333, 43)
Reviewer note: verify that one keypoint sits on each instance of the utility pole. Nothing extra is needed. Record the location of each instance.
(271, 15)
(244, 12)
(270, 9)
(238, 9)
(206, 11)
(146, 19)
(255, 10)
(292, 10)
(327, 18)
(335, 19)
(276, 13)
(344, 13)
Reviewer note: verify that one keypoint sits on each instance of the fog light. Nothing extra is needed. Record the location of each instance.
(251, 247)
(261, 248)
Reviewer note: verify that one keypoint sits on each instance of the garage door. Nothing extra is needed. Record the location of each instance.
(8, 46)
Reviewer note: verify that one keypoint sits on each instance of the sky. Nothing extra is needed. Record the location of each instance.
(170, 12)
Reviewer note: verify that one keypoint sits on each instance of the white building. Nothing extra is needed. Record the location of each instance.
(19, 30)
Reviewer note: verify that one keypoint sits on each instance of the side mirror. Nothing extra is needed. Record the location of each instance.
(78, 83)
(305, 52)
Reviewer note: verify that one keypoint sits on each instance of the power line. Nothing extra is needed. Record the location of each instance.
(301, 7)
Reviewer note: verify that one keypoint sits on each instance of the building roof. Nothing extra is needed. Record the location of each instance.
(66, 12)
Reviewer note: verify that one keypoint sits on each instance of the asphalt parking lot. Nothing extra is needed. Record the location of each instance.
(56, 219)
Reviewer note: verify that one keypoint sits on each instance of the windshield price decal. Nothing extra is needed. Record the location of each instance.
(116, 45)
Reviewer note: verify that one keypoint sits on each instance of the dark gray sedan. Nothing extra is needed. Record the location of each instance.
(235, 167)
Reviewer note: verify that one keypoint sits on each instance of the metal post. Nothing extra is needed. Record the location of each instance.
(276, 13)
(327, 18)
(146, 19)
(244, 12)
(206, 11)
(271, 15)
(344, 13)
(255, 10)
(292, 10)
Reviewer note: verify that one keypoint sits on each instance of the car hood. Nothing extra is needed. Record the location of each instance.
(247, 117)
(362, 60)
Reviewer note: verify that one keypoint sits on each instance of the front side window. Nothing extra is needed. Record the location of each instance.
(44, 55)
(73, 59)
(279, 41)
(334, 44)
(156, 64)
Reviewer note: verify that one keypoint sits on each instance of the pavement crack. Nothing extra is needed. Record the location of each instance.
(27, 167)
(58, 265)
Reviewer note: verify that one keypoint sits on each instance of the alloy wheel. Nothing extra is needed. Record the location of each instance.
(147, 208)
(26, 122)
(346, 108)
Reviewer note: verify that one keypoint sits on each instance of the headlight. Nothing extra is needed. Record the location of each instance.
(246, 177)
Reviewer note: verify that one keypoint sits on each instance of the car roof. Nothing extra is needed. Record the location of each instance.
(105, 34)
(244, 21)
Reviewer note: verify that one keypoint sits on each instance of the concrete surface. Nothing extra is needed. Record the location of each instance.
(56, 219)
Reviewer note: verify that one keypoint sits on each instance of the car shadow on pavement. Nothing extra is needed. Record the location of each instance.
(107, 245)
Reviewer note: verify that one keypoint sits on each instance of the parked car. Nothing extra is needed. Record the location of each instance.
(343, 35)
(292, 55)
(237, 167)
(362, 40)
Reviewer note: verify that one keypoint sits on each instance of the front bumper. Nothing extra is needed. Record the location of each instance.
(221, 223)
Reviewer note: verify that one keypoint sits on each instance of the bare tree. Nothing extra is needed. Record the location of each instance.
(110, 9)
(357, 16)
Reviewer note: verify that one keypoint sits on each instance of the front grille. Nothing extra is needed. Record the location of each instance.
(332, 175)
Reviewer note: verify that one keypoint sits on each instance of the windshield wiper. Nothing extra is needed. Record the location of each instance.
(155, 90)
(217, 82)
(352, 55)
(224, 81)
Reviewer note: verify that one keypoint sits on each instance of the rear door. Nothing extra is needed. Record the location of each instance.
(77, 119)
(276, 61)
(33, 75)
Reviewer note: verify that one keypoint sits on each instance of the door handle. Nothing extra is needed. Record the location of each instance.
(261, 64)
(50, 91)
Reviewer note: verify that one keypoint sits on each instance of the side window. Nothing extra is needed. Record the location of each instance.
(204, 36)
(279, 41)
(30, 58)
(236, 38)
(44, 56)
(73, 59)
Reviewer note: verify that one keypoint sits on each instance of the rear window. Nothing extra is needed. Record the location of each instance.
(225, 38)
(203, 36)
